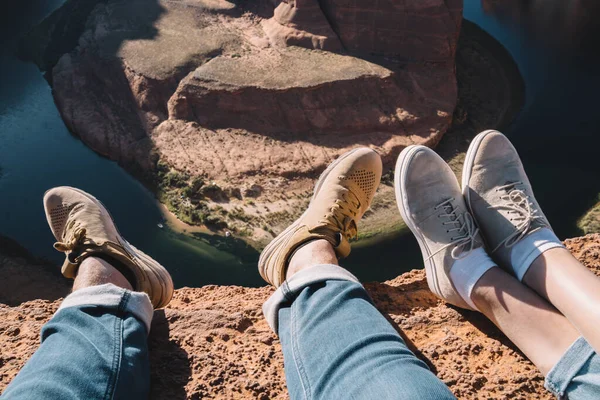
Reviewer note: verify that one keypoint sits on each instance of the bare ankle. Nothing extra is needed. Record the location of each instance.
(95, 271)
(311, 254)
(485, 289)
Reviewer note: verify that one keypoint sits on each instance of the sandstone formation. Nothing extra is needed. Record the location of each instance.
(250, 94)
(402, 30)
(212, 342)
(301, 23)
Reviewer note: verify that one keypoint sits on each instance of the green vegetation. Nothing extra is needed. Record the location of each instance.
(184, 197)
(175, 179)
(239, 214)
(388, 178)
(215, 221)
(590, 222)
(189, 198)
(193, 190)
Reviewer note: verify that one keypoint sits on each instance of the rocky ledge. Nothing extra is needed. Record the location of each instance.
(213, 342)
(231, 109)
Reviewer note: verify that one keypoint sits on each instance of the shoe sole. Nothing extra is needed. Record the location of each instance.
(468, 165)
(399, 178)
(160, 273)
(270, 248)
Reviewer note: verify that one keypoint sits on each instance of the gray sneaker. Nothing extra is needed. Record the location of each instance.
(432, 205)
(499, 195)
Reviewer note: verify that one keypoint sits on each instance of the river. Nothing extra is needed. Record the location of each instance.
(556, 134)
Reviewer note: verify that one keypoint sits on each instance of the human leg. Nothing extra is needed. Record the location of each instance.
(521, 239)
(571, 287)
(95, 346)
(545, 336)
(335, 342)
(533, 325)
(516, 230)
(460, 272)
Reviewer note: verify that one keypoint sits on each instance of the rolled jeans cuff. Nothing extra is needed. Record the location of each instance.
(567, 368)
(112, 297)
(289, 289)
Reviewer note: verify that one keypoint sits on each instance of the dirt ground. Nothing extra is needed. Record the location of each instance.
(213, 342)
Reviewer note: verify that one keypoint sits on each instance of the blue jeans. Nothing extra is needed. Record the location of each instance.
(94, 347)
(335, 344)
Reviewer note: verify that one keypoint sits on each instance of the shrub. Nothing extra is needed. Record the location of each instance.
(214, 192)
(215, 221)
(197, 184)
(175, 179)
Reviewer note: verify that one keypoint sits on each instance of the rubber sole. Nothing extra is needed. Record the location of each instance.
(270, 248)
(160, 273)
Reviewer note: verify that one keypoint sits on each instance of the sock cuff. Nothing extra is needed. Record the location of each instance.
(467, 271)
(531, 247)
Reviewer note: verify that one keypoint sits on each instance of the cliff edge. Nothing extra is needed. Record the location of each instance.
(213, 342)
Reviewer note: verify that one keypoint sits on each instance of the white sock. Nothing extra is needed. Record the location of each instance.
(529, 248)
(467, 271)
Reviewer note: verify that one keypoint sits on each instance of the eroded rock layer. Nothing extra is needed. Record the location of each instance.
(246, 94)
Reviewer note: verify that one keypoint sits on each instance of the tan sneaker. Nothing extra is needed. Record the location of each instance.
(432, 206)
(83, 227)
(342, 195)
(499, 194)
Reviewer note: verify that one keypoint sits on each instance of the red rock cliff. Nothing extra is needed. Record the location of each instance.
(242, 95)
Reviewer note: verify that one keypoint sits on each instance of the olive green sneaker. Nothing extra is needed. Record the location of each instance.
(432, 206)
(83, 227)
(500, 197)
(342, 195)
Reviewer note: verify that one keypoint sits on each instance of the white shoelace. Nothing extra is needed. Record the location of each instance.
(463, 224)
(517, 203)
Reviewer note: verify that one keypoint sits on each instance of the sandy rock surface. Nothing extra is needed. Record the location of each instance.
(203, 86)
(212, 342)
(250, 94)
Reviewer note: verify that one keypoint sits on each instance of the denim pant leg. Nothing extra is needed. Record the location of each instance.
(94, 347)
(576, 376)
(337, 345)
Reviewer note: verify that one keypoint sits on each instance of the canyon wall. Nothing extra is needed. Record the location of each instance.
(248, 95)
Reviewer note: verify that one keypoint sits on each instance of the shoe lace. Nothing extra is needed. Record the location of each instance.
(342, 215)
(76, 237)
(517, 202)
(463, 224)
